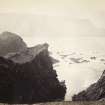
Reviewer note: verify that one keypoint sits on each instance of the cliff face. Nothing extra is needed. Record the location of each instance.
(28, 77)
(95, 92)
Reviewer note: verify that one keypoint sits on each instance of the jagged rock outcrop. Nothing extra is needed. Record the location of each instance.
(95, 92)
(11, 43)
(28, 77)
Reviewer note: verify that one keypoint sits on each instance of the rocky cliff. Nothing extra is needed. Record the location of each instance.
(94, 93)
(28, 76)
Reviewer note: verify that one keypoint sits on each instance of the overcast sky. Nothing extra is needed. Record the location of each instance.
(53, 18)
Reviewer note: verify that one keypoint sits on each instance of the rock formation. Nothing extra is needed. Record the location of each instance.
(95, 92)
(28, 77)
(10, 42)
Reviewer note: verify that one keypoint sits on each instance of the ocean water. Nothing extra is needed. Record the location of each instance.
(78, 76)
(81, 61)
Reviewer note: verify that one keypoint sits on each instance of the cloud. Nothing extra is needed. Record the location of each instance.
(51, 27)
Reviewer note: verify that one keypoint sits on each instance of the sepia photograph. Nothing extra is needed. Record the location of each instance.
(52, 52)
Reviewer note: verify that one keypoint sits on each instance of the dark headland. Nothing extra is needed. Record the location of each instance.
(26, 74)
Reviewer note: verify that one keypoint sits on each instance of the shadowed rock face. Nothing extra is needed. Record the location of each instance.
(28, 77)
(10, 42)
(95, 92)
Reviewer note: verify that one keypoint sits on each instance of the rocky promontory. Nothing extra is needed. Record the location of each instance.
(27, 74)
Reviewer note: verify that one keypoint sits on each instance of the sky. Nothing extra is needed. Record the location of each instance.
(53, 19)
